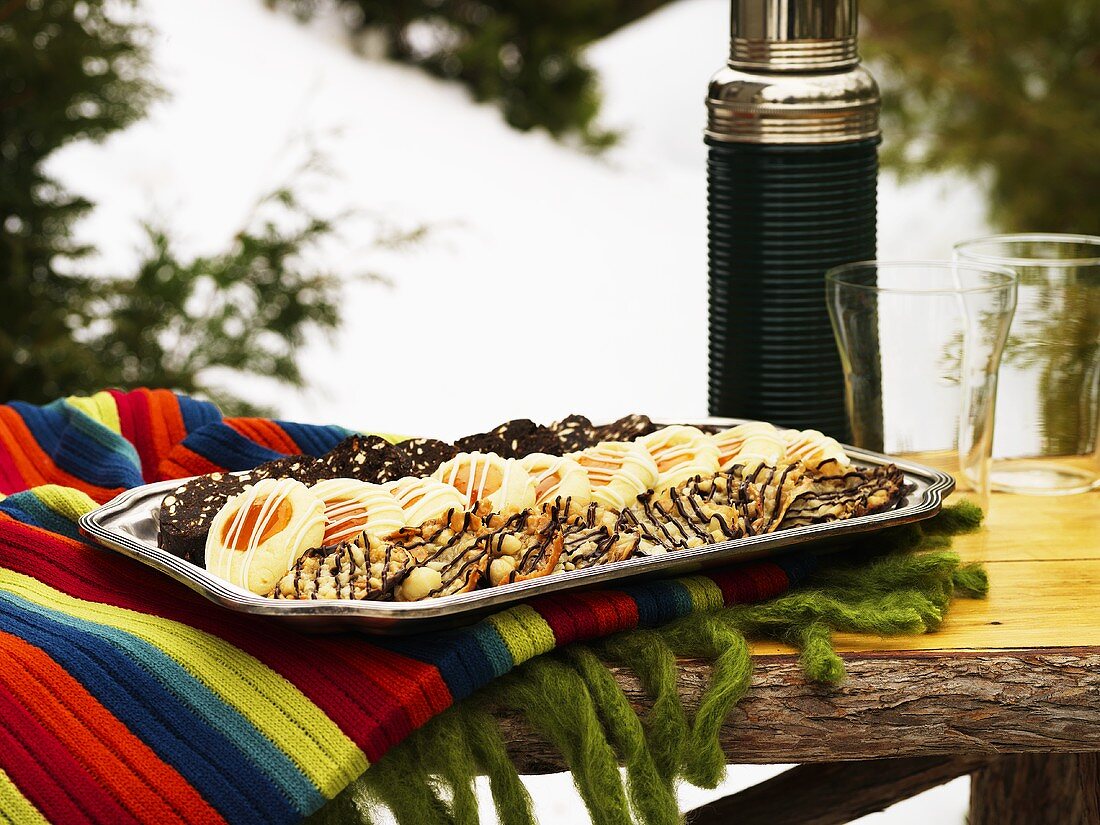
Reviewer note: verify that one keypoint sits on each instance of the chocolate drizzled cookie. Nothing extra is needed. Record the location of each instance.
(424, 455)
(367, 458)
(360, 569)
(838, 492)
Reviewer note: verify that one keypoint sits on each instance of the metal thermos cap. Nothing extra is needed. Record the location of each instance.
(793, 35)
(793, 76)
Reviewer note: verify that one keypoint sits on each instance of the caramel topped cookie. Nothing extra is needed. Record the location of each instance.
(501, 483)
(260, 533)
(840, 493)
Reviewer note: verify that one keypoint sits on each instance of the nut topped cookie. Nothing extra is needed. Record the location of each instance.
(424, 455)
(187, 512)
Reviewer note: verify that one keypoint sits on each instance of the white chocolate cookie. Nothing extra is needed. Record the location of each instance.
(813, 448)
(681, 453)
(619, 471)
(353, 506)
(556, 477)
(751, 444)
(424, 499)
(259, 534)
(487, 477)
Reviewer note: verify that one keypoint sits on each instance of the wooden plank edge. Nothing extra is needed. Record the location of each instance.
(969, 702)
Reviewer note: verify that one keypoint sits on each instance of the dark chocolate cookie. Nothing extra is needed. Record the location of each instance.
(426, 454)
(366, 458)
(575, 433)
(303, 468)
(513, 439)
(627, 428)
(186, 513)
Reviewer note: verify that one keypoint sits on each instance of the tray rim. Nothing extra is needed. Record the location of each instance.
(384, 617)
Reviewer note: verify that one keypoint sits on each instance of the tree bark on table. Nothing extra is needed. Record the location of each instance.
(1037, 789)
(925, 704)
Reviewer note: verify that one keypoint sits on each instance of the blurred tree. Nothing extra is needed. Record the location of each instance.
(527, 57)
(1006, 91)
(1009, 92)
(72, 71)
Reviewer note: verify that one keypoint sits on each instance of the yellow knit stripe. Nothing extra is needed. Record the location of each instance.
(705, 594)
(100, 407)
(276, 707)
(65, 501)
(15, 808)
(525, 633)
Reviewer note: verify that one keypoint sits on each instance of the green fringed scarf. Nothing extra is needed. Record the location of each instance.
(899, 581)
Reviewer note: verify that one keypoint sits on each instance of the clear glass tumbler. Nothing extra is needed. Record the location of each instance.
(920, 343)
(1048, 397)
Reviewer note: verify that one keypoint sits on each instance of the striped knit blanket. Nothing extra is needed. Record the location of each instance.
(126, 697)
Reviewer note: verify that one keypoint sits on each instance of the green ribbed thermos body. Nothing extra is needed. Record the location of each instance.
(779, 216)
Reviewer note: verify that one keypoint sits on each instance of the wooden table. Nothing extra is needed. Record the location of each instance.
(1007, 690)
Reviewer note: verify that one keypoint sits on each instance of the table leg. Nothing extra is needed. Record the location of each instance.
(1037, 789)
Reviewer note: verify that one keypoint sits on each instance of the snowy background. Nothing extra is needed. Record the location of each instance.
(540, 260)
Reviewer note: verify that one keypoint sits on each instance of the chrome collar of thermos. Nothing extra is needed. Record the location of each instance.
(792, 131)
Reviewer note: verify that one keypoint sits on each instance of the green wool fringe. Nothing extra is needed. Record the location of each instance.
(899, 581)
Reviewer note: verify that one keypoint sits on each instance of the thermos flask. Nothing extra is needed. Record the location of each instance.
(792, 170)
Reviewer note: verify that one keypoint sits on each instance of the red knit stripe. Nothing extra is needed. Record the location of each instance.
(142, 437)
(558, 612)
(48, 773)
(607, 617)
(183, 462)
(151, 789)
(169, 406)
(11, 480)
(363, 711)
(265, 432)
(162, 404)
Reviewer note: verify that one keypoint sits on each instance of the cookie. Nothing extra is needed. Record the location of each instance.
(446, 557)
(813, 448)
(186, 513)
(424, 455)
(557, 477)
(424, 499)
(680, 453)
(260, 533)
(575, 433)
(360, 569)
(627, 428)
(751, 444)
(304, 468)
(502, 483)
(368, 458)
(526, 546)
(618, 471)
(352, 507)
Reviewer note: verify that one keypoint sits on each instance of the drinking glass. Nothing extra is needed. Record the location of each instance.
(1048, 400)
(919, 344)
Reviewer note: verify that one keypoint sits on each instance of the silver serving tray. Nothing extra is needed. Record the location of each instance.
(128, 524)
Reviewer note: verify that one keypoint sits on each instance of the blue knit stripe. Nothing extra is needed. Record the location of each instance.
(29, 509)
(171, 729)
(197, 414)
(314, 439)
(45, 423)
(493, 648)
(457, 655)
(94, 453)
(217, 714)
(645, 597)
(224, 446)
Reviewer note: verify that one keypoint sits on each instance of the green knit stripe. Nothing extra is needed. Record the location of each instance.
(525, 633)
(706, 596)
